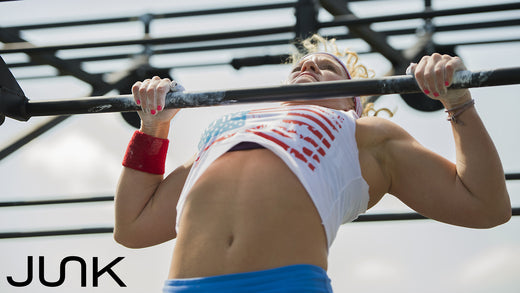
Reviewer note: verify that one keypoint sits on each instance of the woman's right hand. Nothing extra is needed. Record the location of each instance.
(150, 94)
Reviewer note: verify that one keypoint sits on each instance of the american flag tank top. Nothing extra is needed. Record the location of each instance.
(318, 144)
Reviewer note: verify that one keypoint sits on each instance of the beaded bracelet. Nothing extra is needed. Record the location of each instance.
(146, 153)
(452, 115)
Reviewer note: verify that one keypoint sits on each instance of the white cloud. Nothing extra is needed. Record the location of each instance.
(494, 270)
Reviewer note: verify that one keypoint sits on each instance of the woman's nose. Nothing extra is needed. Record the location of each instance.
(310, 65)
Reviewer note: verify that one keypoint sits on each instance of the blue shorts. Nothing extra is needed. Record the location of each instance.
(294, 278)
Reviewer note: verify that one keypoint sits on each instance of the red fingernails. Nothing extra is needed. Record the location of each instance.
(435, 94)
(159, 108)
(138, 102)
(152, 112)
(427, 92)
(446, 83)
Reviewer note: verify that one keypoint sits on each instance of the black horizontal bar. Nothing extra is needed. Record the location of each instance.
(405, 216)
(56, 201)
(252, 8)
(478, 25)
(467, 26)
(476, 43)
(86, 231)
(513, 176)
(156, 16)
(156, 41)
(79, 59)
(376, 86)
(244, 44)
(75, 23)
(508, 176)
(350, 20)
(219, 47)
(191, 49)
(58, 74)
(361, 218)
(390, 217)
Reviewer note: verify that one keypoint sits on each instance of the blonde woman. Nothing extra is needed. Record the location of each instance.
(260, 204)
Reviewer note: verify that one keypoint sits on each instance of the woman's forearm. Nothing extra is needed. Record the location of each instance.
(136, 188)
(144, 198)
(478, 164)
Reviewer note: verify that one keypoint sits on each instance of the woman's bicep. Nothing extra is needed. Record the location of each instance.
(428, 183)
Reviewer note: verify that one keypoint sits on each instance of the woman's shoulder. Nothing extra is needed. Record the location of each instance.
(371, 131)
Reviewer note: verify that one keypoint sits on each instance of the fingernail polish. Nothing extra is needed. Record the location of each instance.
(152, 112)
(138, 102)
(427, 92)
(435, 94)
(159, 108)
(446, 83)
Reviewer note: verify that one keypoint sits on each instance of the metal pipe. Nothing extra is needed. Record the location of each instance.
(107, 230)
(156, 16)
(156, 41)
(346, 20)
(508, 176)
(10, 235)
(56, 201)
(513, 176)
(376, 86)
(404, 216)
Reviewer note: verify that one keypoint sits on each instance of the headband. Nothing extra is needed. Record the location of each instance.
(357, 100)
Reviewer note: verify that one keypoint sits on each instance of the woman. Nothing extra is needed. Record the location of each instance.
(260, 204)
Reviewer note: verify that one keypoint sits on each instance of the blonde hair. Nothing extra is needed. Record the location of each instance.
(317, 43)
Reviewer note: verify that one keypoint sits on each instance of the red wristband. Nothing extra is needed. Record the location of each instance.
(146, 153)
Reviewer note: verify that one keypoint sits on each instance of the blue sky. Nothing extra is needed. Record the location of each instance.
(82, 157)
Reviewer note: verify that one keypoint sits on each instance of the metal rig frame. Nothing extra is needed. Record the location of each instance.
(306, 23)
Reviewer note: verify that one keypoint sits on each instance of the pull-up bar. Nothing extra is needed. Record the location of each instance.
(14, 104)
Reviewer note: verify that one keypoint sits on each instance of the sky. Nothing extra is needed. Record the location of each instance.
(82, 156)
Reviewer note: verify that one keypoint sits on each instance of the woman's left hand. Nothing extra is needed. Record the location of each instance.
(434, 74)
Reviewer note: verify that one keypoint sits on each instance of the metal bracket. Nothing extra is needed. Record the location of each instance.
(12, 98)
(306, 21)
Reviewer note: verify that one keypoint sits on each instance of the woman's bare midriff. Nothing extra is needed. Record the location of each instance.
(247, 212)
